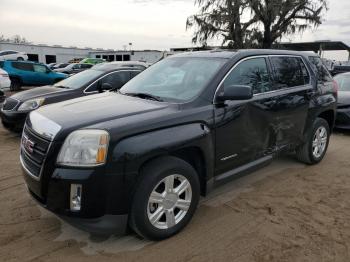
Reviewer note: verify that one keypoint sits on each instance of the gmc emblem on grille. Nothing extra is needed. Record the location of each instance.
(27, 144)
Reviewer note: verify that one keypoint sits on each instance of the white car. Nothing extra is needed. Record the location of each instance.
(12, 55)
(5, 81)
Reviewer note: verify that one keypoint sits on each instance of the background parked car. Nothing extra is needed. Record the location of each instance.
(92, 81)
(338, 69)
(74, 68)
(5, 81)
(60, 65)
(13, 55)
(30, 73)
(343, 109)
(51, 65)
(92, 61)
(134, 64)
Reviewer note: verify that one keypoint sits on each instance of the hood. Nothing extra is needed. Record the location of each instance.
(43, 91)
(63, 75)
(97, 109)
(343, 97)
(59, 70)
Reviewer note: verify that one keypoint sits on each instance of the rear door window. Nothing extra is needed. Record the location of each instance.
(85, 66)
(117, 79)
(289, 72)
(23, 66)
(252, 72)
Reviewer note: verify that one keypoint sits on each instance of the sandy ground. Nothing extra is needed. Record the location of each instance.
(284, 212)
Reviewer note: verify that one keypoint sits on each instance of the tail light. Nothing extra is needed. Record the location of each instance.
(335, 87)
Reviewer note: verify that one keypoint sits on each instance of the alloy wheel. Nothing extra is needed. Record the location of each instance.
(319, 142)
(169, 201)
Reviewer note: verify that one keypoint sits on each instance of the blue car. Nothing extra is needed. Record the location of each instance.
(30, 73)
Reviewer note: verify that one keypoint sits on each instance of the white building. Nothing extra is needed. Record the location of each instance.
(149, 56)
(60, 54)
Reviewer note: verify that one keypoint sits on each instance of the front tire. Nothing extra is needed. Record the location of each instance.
(316, 144)
(20, 59)
(165, 198)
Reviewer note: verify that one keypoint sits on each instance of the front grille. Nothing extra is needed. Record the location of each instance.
(33, 158)
(10, 104)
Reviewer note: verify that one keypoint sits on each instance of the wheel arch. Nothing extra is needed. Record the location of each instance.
(329, 116)
(192, 143)
(192, 155)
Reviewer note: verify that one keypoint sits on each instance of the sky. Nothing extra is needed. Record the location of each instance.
(147, 24)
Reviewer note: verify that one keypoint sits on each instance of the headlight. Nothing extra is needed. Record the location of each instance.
(84, 148)
(31, 104)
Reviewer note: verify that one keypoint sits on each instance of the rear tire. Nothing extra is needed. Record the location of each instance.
(20, 59)
(316, 143)
(165, 198)
(16, 84)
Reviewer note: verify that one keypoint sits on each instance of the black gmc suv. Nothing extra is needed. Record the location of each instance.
(142, 156)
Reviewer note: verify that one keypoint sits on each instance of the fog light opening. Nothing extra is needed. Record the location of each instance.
(75, 197)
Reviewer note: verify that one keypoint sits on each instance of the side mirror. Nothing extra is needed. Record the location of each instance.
(235, 92)
(106, 86)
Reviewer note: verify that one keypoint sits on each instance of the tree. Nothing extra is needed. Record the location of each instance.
(279, 18)
(14, 39)
(221, 18)
(266, 21)
(17, 39)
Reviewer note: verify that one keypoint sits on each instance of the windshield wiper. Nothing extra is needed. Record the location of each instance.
(144, 96)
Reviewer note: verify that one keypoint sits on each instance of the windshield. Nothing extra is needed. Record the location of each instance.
(79, 80)
(343, 82)
(175, 79)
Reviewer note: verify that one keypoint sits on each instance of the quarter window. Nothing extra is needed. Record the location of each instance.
(252, 72)
(289, 72)
(322, 72)
(40, 68)
(85, 65)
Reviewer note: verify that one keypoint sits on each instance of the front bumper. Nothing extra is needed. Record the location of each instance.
(5, 83)
(103, 208)
(13, 120)
(343, 119)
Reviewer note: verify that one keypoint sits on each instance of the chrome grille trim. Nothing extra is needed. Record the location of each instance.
(24, 153)
(14, 107)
